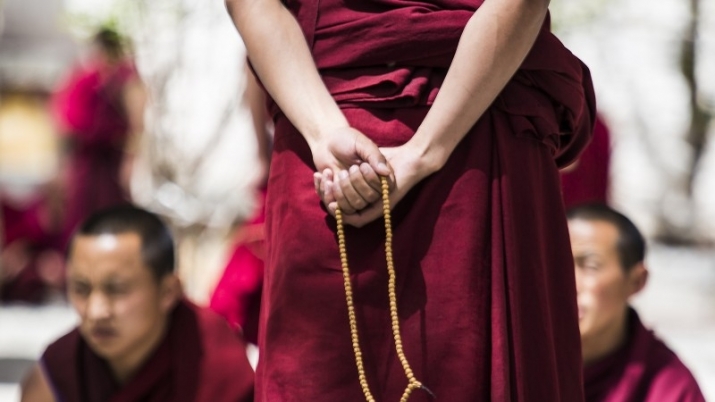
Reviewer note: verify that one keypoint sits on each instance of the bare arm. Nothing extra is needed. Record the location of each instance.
(255, 99)
(281, 58)
(493, 45)
(280, 55)
(35, 387)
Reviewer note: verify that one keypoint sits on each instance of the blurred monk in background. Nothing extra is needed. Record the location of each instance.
(99, 110)
(623, 360)
(139, 339)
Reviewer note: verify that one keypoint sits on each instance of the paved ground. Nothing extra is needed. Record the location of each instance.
(679, 303)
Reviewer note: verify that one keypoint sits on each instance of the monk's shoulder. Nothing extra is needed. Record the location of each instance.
(225, 371)
(672, 381)
(58, 363)
(62, 349)
(221, 345)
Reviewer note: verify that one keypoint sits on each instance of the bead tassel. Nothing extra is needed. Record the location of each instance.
(412, 384)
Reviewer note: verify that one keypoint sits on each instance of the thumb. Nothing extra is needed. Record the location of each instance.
(367, 151)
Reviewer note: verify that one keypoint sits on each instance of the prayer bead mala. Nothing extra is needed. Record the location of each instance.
(412, 384)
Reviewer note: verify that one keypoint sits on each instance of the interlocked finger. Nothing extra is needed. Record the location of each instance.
(360, 182)
(349, 203)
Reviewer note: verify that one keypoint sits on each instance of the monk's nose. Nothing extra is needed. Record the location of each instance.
(98, 307)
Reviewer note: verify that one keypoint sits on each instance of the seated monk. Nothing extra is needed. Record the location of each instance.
(138, 339)
(623, 360)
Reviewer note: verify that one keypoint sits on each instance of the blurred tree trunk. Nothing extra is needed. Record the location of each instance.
(700, 118)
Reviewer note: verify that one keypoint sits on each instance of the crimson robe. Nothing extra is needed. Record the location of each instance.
(199, 360)
(237, 296)
(643, 370)
(485, 279)
(587, 181)
(89, 111)
(23, 224)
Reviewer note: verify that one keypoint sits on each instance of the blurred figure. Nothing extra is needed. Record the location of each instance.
(237, 296)
(586, 180)
(139, 339)
(31, 265)
(31, 268)
(99, 110)
(623, 361)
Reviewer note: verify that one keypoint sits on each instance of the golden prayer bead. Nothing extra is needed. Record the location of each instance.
(412, 381)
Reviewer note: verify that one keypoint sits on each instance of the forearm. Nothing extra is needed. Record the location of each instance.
(281, 58)
(493, 45)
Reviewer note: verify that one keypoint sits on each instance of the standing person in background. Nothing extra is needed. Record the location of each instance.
(623, 360)
(99, 110)
(475, 105)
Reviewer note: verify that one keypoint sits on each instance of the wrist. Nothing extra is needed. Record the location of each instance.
(432, 156)
(323, 128)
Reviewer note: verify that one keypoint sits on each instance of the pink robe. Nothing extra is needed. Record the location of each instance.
(485, 278)
(643, 370)
(89, 111)
(199, 360)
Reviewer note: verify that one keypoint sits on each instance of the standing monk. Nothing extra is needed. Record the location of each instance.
(99, 110)
(139, 339)
(623, 360)
(475, 105)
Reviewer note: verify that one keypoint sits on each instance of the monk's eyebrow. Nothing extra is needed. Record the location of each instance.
(587, 256)
(79, 279)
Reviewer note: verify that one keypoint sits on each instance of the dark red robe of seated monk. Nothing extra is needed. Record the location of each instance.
(485, 278)
(200, 360)
(644, 370)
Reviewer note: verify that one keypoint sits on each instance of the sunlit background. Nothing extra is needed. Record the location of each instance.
(653, 64)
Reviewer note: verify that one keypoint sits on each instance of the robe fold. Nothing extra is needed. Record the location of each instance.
(643, 370)
(199, 360)
(485, 279)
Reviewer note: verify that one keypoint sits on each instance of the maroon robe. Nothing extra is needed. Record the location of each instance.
(23, 224)
(643, 370)
(485, 279)
(587, 180)
(200, 359)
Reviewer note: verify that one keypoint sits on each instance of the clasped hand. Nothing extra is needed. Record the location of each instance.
(349, 169)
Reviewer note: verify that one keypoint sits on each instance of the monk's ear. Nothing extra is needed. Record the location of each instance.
(637, 278)
(171, 291)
